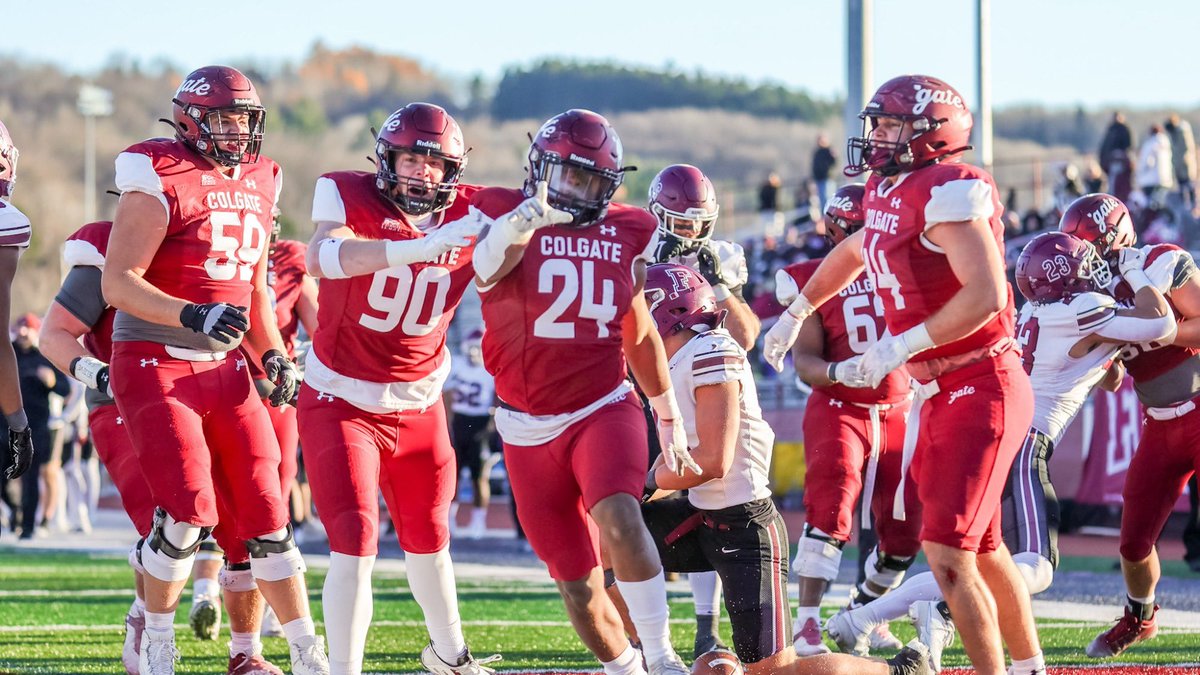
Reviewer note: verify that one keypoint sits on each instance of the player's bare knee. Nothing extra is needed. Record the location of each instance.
(577, 594)
(237, 577)
(818, 555)
(168, 552)
(274, 556)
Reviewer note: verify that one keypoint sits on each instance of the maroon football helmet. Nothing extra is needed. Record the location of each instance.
(578, 154)
(420, 129)
(941, 126)
(1101, 220)
(8, 163)
(680, 298)
(203, 106)
(844, 213)
(472, 346)
(1057, 266)
(683, 200)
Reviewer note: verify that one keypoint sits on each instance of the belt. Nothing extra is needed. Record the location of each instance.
(1171, 412)
(185, 354)
(921, 393)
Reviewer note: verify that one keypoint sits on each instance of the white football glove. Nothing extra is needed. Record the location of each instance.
(434, 245)
(847, 373)
(535, 212)
(672, 435)
(783, 334)
(1131, 263)
(891, 352)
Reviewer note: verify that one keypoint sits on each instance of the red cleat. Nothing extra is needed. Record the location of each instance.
(1128, 631)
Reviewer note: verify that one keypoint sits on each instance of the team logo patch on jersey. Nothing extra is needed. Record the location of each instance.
(895, 202)
(392, 224)
(608, 230)
(207, 180)
(959, 393)
(251, 184)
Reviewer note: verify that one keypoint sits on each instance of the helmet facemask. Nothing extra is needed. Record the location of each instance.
(865, 153)
(694, 226)
(414, 195)
(229, 135)
(8, 170)
(582, 191)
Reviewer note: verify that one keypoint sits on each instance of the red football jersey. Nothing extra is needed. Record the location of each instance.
(218, 225)
(852, 321)
(553, 337)
(1145, 362)
(913, 277)
(87, 248)
(285, 274)
(389, 326)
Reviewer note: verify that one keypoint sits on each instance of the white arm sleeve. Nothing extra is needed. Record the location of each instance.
(135, 173)
(959, 200)
(328, 206)
(488, 256)
(1135, 330)
(785, 288)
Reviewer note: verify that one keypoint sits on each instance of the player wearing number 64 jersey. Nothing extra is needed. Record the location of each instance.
(560, 271)
(393, 251)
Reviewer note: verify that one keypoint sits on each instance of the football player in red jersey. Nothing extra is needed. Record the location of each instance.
(15, 233)
(932, 247)
(393, 250)
(560, 270)
(853, 438)
(1165, 375)
(185, 261)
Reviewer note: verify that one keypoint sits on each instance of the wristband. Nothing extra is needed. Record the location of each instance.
(1137, 279)
(665, 405)
(721, 291)
(85, 369)
(831, 372)
(329, 258)
(801, 308)
(916, 339)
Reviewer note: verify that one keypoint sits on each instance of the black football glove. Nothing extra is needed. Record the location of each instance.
(20, 452)
(671, 247)
(218, 320)
(709, 266)
(284, 375)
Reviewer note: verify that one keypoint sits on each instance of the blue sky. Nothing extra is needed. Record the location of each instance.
(1054, 52)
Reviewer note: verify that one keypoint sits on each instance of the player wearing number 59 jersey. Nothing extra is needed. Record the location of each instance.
(393, 251)
(560, 271)
(186, 270)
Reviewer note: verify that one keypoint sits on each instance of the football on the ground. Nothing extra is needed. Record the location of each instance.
(718, 662)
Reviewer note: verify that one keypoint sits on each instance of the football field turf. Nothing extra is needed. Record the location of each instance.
(63, 613)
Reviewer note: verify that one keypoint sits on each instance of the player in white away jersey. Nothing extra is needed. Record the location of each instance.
(1071, 332)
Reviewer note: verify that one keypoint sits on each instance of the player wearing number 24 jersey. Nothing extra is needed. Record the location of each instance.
(393, 251)
(560, 271)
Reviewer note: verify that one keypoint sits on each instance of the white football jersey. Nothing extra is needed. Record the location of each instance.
(472, 388)
(733, 261)
(1061, 383)
(713, 358)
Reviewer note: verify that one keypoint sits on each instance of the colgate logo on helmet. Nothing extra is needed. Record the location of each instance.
(393, 122)
(582, 160)
(926, 96)
(432, 145)
(198, 87)
(841, 203)
(1098, 216)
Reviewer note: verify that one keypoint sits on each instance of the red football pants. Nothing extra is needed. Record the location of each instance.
(351, 454)
(115, 449)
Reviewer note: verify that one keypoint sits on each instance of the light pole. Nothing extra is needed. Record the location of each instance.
(93, 102)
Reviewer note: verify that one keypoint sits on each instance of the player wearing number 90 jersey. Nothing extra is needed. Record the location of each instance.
(393, 251)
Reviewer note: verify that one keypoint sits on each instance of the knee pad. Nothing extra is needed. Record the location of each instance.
(236, 577)
(168, 551)
(1037, 571)
(274, 556)
(818, 555)
(135, 557)
(887, 571)
(209, 550)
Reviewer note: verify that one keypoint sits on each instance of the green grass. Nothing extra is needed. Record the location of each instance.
(93, 592)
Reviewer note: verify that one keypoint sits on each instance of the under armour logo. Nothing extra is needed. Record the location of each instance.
(120, 420)
(239, 364)
(251, 184)
(609, 230)
(207, 180)
(959, 393)
(322, 396)
(836, 403)
(149, 362)
(895, 202)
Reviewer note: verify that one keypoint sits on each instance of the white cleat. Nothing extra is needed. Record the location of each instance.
(205, 617)
(882, 638)
(158, 655)
(808, 641)
(130, 651)
(851, 636)
(466, 665)
(934, 630)
(308, 656)
(672, 665)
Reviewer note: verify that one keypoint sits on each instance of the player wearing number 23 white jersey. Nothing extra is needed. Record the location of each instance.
(393, 250)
